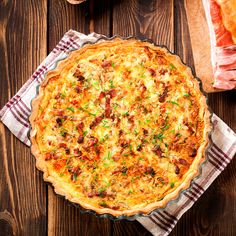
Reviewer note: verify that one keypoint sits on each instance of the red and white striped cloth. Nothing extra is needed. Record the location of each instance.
(16, 112)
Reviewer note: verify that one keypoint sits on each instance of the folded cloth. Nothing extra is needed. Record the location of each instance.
(16, 112)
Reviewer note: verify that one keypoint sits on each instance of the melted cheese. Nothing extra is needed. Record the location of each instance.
(120, 126)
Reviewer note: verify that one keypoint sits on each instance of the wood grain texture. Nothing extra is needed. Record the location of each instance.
(64, 219)
(22, 191)
(28, 31)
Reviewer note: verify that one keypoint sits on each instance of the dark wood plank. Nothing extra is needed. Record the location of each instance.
(154, 21)
(63, 218)
(22, 191)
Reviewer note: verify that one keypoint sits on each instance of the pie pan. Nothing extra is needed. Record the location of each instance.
(134, 216)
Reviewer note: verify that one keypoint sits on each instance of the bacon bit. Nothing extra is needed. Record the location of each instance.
(116, 157)
(145, 132)
(144, 88)
(80, 139)
(123, 143)
(76, 171)
(80, 126)
(48, 156)
(78, 89)
(106, 64)
(85, 158)
(150, 170)
(62, 145)
(112, 93)
(58, 96)
(126, 74)
(152, 72)
(193, 152)
(120, 132)
(113, 117)
(93, 60)
(77, 152)
(163, 96)
(96, 121)
(183, 162)
(90, 195)
(74, 102)
(92, 141)
(57, 166)
(131, 119)
(177, 170)
(114, 207)
(157, 150)
(60, 113)
(101, 96)
(67, 151)
(78, 75)
(161, 60)
(59, 121)
(108, 107)
(147, 51)
(163, 71)
(139, 148)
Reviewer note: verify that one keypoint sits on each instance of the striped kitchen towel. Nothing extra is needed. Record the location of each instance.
(16, 112)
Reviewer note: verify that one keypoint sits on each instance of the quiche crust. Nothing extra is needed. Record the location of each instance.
(64, 185)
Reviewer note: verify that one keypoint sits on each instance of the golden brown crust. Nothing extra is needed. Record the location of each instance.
(188, 175)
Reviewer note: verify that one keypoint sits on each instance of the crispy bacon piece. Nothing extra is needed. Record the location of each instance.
(183, 162)
(157, 150)
(80, 126)
(106, 64)
(147, 51)
(62, 145)
(77, 152)
(59, 121)
(162, 71)
(48, 156)
(76, 171)
(152, 72)
(193, 152)
(80, 139)
(101, 96)
(96, 121)
(108, 107)
(177, 170)
(78, 89)
(150, 170)
(92, 141)
(112, 93)
(163, 96)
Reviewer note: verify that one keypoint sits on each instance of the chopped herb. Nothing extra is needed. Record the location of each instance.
(86, 105)
(102, 204)
(71, 109)
(172, 131)
(158, 136)
(125, 113)
(115, 106)
(82, 109)
(85, 133)
(111, 83)
(166, 127)
(171, 66)
(101, 190)
(179, 135)
(75, 177)
(124, 173)
(186, 95)
(63, 133)
(143, 76)
(63, 95)
(125, 154)
(140, 158)
(113, 65)
(130, 192)
(135, 132)
(172, 184)
(130, 147)
(61, 174)
(73, 83)
(68, 161)
(173, 102)
(148, 121)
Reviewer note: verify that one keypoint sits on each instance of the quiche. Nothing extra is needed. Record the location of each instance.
(120, 127)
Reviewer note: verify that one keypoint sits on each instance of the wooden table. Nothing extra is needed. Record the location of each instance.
(29, 30)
